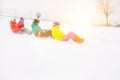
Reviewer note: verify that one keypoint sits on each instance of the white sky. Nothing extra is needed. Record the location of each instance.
(62, 9)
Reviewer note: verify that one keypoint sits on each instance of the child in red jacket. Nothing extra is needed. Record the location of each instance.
(14, 26)
(19, 28)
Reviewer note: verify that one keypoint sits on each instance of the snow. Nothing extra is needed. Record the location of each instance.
(25, 57)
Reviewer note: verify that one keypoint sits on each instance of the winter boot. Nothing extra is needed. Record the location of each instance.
(78, 39)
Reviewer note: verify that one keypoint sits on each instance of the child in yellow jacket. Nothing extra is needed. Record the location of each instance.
(59, 35)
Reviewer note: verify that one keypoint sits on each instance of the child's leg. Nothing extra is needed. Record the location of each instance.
(78, 39)
(47, 33)
(70, 35)
(37, 34)
(74, 37)
(19, 32)
(25, 30)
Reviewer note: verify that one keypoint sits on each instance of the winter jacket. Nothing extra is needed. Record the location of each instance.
(20, 24)
(57, 33)
(14, 26)
(36, 28)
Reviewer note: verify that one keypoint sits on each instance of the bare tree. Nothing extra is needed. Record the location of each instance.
(106, 8)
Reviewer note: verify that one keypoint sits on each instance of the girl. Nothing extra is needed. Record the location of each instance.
(37, 31)
(59, 35)
(14, 26)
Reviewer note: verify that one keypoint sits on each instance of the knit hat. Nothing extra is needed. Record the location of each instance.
(56, 23)
(21, 19)
(38, 15)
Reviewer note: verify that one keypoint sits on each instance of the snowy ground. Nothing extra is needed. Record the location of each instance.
(24, 57)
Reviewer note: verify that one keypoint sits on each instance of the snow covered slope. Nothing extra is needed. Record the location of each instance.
(25, 57)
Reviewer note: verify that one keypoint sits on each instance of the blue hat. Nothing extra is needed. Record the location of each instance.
(21, 19)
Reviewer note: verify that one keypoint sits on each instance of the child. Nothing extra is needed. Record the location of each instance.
(21, 23)
(37, 31)
(22, 28)
(14, 26)
(59, 35)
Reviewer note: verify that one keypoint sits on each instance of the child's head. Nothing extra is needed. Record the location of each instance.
(36, 21)
(14, 19)
(56, 24)
(21, 19)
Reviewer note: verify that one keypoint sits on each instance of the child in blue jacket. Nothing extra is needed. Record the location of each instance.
(38, 31)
